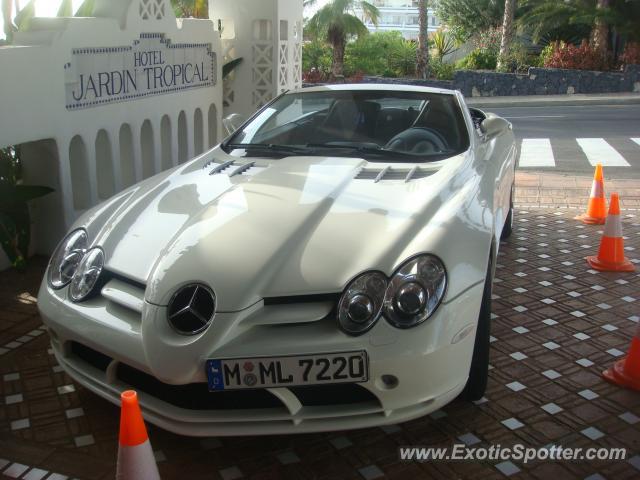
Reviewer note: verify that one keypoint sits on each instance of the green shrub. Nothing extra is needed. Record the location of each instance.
(380, 53)
(545, 54)
(402, 58)
(441, 70)
(316, 56)
(519, 60)
(478, 59)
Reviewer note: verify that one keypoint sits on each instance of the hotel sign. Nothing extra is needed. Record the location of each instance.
(151, 66)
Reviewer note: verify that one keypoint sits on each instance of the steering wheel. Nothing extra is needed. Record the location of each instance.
(418, 140)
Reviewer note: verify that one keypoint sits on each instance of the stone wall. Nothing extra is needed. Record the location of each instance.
(539, 81)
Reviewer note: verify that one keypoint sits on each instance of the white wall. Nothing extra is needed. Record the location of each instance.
(267, 35)
(90, 149)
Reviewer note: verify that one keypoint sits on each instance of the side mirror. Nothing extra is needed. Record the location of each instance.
(232, 122)
(493, 126)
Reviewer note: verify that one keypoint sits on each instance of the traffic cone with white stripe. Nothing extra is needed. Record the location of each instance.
(135, 457)
(597, 207)
(626, 372)
(611, 253)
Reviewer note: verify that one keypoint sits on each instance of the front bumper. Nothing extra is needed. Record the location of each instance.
(107, 352)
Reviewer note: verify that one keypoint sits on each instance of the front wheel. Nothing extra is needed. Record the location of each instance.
(479, 372)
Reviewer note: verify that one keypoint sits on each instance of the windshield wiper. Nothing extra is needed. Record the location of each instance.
(363, 149)
(272, 147)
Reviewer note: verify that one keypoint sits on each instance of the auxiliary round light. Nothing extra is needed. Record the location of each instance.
(87, 275)
(360, 308)
(361, 303)
(411, 298)
(66, 258)
(415, 291)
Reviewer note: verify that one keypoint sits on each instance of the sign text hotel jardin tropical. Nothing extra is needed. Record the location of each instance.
(152, 66)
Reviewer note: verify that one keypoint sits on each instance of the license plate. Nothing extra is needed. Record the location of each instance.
(287, 371)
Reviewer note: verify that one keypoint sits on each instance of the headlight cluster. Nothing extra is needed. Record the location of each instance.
(72, 263)
(408, 299)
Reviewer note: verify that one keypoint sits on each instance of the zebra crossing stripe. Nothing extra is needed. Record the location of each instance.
(598, 150)
(637, 140)
(536, 152)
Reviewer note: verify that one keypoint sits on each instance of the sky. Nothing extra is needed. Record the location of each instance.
(49, 8)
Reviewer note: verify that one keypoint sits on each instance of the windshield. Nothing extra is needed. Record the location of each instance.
(377, 125)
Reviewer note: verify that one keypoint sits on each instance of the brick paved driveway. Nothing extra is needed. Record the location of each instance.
(556, 326)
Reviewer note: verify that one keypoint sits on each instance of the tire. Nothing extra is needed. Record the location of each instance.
(507, 230)
(479, 371)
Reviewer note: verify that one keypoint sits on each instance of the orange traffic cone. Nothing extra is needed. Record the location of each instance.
(597, 207)
(626, 372)
(135, 457)
(611, 253)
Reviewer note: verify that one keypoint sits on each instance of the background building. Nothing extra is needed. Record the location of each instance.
(400, 15)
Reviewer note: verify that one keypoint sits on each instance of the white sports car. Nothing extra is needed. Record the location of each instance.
(328, 266)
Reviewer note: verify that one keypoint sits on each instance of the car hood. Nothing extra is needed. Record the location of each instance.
(284, 227)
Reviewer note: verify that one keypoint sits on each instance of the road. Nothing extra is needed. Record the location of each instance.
(571, 139)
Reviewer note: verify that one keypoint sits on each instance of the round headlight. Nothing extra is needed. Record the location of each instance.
(415, 291)
(87, 275)
(361, 303)
(66, 258)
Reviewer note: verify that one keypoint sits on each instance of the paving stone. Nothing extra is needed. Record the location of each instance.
(370, 472)
(512, 423)
(630, 418)
(507, 468)
(551, 374)
(516, 386)
(592, 433)
(552, 408)
(584, 362)
(15, 470)
(518, 356)
(35, 474)
(588, 394)
(469, 439)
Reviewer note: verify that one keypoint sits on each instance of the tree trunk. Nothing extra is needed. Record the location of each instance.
(422, 54)
(600, 31)
(507, 32)
(337, 61)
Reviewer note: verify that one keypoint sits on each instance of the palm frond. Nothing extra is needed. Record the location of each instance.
(370, 12)
(86, 9)
(66, 9)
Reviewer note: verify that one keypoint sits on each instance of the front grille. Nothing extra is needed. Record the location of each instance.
(293, 299)
(89, 355)
(196, 396)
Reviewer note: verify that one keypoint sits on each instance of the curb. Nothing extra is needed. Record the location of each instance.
(549, 101)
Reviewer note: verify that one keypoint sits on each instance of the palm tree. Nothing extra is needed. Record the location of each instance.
(571, 20)
(422, 56)
(507, 31)
(336, 22)
(600, 32)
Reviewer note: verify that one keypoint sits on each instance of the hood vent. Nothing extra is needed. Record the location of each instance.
(231, 169)
(390, 173)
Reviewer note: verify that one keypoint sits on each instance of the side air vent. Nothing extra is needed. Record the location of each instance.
(390, 173)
